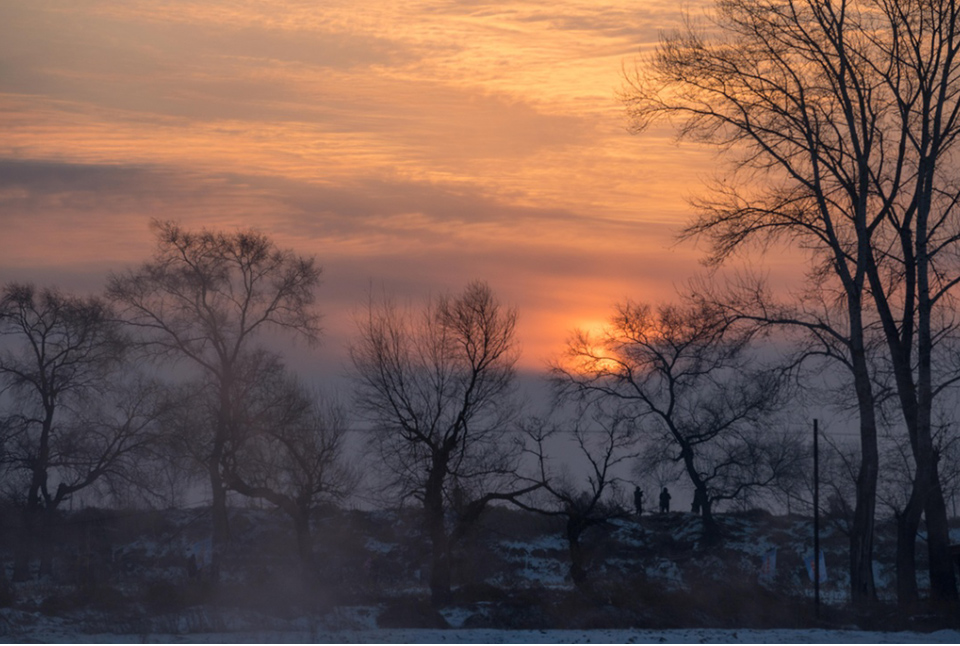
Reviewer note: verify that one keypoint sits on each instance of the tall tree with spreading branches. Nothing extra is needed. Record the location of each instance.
(203, 301)
(841, 120)
(291, 447)
(685, 375)
(437, 387)
(75, 416)
(606, 442)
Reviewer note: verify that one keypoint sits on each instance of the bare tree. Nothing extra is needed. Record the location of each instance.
(825, 331)
(202, 301)
(75, 417)
(842, 120)
(292, 452)
(125, 416)
(437, 387)
(608, 441)
(686, 375)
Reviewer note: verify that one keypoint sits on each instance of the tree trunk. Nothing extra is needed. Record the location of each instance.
(26, 540)
(440, 574)
(578, 573)
(220, 519)
(46, 541)
(926, 500)
(297, 509)
(301, 523)
(711, 530)
(916, 390)
(34, 537)
(908, 522)
(218, 485)
(943, 583)
(862, 585)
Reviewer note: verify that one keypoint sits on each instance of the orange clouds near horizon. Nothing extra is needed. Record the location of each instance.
(415, 146)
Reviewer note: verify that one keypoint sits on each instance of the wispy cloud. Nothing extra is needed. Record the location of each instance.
(423, 143)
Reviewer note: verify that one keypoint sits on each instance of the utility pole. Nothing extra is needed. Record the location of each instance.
(816, 518)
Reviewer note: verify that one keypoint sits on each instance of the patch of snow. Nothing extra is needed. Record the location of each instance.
(667, 571)
(373, 545)
(545, 542)
(455, 616)
(547, 572)
(532, 561)
(631, 534)
(351, 618)
(690, 530)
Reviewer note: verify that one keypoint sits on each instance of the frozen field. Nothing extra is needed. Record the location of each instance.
(253, 628)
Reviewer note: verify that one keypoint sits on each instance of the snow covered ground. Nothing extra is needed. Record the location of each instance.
(252, 628)
(358, 626)
(369, 586)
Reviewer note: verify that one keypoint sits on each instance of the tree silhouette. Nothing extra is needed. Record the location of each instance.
(202, 301)
(290, 449)
(75, 417)
(606, 440)
(437, 386)
(841, 121)
(684, 374)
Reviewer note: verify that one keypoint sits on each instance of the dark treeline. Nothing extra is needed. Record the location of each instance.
(165, 387)
(840, 122)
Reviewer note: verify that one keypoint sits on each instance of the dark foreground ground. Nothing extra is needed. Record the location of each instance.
(146, 576)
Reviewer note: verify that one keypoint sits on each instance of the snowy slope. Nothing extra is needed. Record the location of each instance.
(651, 582)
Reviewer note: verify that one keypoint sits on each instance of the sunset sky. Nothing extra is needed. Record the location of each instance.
(411, 145)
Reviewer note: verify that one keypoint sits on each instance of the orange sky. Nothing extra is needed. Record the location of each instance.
(414, 145)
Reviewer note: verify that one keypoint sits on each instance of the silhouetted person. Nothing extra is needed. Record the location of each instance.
(638, 500)
(698, 501)
(664, 501)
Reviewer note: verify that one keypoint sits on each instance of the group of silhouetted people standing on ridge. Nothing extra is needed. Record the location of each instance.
(664, 500)
(698, 506)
